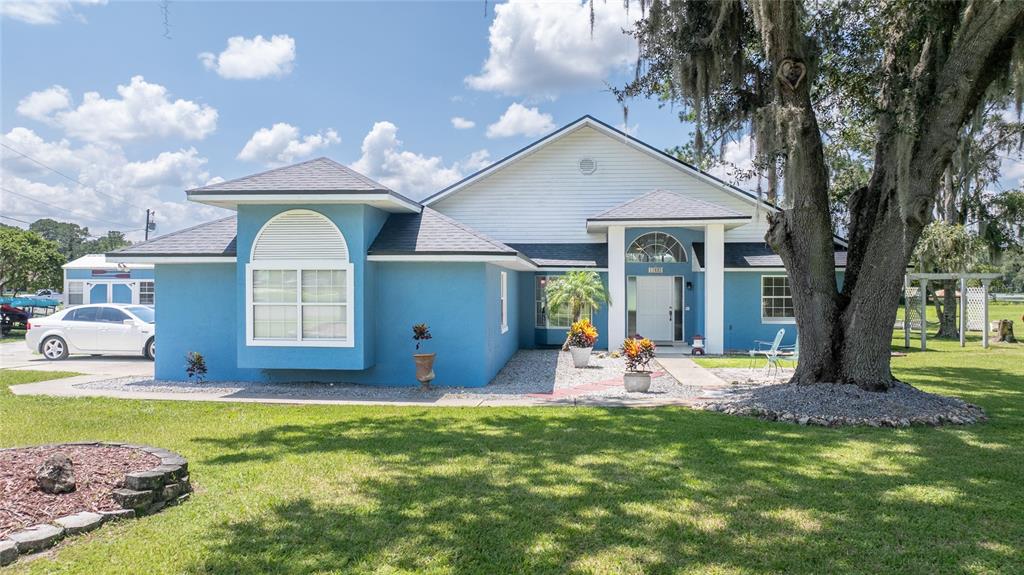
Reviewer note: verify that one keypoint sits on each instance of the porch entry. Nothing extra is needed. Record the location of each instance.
(659, 307)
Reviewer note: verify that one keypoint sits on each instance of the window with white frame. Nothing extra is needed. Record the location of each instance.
(300, 283)
(547, 318)
(776, 299)
(147, 293)
(75, 293)
(504, 302)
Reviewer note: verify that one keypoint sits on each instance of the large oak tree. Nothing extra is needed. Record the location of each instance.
(901, 77)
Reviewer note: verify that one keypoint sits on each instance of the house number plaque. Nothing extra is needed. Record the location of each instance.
(655, 270)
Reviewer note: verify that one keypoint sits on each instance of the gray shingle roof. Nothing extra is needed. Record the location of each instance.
(216, 238)
(755, 255)
(431, 232)
(665, 205)
(565, 255)
(311, 176)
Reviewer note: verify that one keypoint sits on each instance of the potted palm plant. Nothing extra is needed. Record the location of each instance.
(638, 354)
(578, 290)
(582, 336)
(424, 361)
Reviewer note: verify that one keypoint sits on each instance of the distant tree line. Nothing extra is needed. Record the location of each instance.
(31, 259)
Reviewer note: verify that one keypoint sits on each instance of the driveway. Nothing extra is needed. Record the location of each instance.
(16, 355)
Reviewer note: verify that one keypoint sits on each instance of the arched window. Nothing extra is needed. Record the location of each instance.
(655, 247)
(299, 283)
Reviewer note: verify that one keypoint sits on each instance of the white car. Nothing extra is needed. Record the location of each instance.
(101, 329)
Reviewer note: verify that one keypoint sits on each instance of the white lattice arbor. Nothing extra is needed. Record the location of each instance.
(973, 305)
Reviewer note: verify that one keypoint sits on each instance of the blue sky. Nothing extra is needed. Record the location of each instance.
(414, 94)
(328, 75)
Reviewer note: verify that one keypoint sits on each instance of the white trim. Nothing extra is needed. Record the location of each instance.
(599, 225)
(178, 260)
(503, 295)
(299, 266)
(625, 138)
(508, 261)
(386, 202)
(568, 269)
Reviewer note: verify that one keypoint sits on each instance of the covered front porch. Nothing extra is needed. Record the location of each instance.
(658, 287)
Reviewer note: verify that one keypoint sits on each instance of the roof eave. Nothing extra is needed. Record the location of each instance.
(595, 225)
(386, 200)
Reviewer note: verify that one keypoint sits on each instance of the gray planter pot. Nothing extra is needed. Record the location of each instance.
(581, 356)
(637, 381)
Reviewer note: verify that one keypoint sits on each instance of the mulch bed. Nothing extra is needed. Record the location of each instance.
(98, 471)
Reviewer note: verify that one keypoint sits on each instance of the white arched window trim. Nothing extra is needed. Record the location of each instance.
(296, 297)
(661, 239)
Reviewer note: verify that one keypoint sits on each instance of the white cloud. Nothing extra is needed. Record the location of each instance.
(541, 49)
(282, 144)
(460, 123)
(518, 120)
(43, 12)
(736, 159)
(246, 59)
(409, 173)
(143, 110)
(44, 103)
(111, 184)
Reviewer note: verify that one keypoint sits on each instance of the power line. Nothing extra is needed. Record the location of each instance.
(63, 175)
(15, 219)
(87, 218)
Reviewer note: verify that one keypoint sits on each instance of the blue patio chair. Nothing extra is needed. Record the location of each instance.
(770, 350)
(791, 352)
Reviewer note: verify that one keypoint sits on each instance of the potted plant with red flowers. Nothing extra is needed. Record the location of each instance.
(424, 361)
(638, 354)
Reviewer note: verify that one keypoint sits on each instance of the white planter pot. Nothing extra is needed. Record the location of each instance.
(580, 356)
(636, 381)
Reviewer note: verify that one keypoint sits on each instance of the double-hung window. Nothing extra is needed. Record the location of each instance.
(299, 284)
(504, 302)
(146, 293)
(75, 293)
(776, 300)
(300, 303)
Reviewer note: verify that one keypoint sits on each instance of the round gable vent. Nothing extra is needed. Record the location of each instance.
(587, 166)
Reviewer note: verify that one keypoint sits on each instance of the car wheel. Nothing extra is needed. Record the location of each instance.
(150, 349)
(54, 348)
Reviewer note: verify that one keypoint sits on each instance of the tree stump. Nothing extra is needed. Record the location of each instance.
(1005, 331)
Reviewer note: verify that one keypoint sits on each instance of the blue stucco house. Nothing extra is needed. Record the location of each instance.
(321, 272)
(93, 279)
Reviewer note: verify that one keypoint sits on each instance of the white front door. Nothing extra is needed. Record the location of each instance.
(655, 311)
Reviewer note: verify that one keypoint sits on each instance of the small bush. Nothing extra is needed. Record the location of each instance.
(421, 333)
(582, 334)
(638, 353)
(195, 366)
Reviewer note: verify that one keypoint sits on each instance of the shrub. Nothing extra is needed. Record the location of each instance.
(582, 334)
(638, 353)
(421, 333)
(195, 366)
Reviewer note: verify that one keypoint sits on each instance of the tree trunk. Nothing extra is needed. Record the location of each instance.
(1005, 331)
(948, 326)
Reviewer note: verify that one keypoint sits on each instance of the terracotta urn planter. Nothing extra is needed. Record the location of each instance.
(424, 368)
(637, 381)
(581, 356)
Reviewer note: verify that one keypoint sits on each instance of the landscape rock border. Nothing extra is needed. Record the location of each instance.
(836, 405)
(141, 493)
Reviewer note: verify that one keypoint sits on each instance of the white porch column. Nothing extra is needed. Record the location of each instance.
(714, 288)
(616, 286)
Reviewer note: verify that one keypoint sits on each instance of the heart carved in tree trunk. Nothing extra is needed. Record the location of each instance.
(791, 73)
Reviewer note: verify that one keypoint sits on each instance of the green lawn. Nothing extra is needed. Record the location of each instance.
(318, 489)
(13, 335)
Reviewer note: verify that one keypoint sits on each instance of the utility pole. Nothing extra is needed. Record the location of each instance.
(149, 225)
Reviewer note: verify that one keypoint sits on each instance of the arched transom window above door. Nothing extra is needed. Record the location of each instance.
(657, 247)
(299, 283)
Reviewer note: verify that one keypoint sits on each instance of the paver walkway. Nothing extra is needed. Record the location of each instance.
(682, 369)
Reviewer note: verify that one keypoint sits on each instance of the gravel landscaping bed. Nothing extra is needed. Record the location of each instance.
(754, 376)
(98, 470)
(528, 373)
(834, 405)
